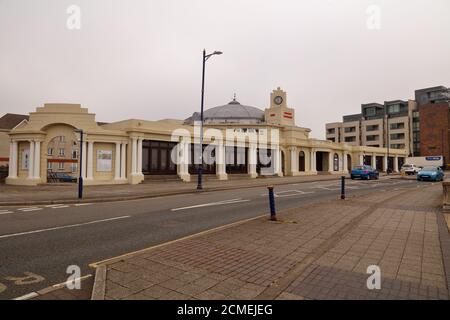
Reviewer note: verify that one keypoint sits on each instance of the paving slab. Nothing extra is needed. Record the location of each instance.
(315, 251)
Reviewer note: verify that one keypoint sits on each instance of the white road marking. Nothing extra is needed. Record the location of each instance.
(53, 205)
(211, 204)
(5, 212)
(31, 209)
(27, 296)
(290, 193)
(82, 204)
(27, 208)
(59, 207)
(61, 227)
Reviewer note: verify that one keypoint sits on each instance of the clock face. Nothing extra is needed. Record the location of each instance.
(278, 100)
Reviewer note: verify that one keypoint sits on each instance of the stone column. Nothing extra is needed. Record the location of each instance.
(139, 156)
(312, 161)
(361, 159)
(31, 161)
(37, 160)
(396, 163)
(117, 162)
(344, 163)
(331, 161)
(133, 156)
(123, 160)
(294, 161)
(11, 173)
(83, 160)
(90, 161)
(183, 161)
(278, 165)
(385, 163)
(252, 159)
(374, 161)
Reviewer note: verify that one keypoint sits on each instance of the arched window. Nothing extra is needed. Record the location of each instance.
(301, 161)
(336, 162)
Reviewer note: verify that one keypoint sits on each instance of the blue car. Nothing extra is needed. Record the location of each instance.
(430, 174)
(364, 172)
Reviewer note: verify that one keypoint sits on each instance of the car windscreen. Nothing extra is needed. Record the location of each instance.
(359, 168)
(429, 168)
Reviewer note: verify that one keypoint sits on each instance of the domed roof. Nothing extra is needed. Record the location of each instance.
(231, 112)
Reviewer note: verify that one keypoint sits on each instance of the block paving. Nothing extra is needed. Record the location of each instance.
(315, 251)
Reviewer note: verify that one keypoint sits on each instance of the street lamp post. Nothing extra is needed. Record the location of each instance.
(387, 140)
(80, 176)
(200, 167)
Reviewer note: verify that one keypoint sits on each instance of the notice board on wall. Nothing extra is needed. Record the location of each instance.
(104, 160)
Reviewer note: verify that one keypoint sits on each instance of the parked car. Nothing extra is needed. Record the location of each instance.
(364, 172)
(410, 169)
(430, 173)
(64, 177)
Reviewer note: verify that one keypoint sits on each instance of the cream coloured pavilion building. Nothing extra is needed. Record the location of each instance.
(129, 151)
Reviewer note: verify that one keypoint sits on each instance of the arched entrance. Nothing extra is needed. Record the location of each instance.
(301, 161)
(335, 162)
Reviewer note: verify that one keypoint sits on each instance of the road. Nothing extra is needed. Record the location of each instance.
(38, 243)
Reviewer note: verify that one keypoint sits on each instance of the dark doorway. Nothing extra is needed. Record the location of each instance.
(282, 163)
(349, 163)
(157, 158)
(319, 161)
(264, 159)
(209, 163)
(379, 165)
(236, 159)
(301, 161)
(368, 160)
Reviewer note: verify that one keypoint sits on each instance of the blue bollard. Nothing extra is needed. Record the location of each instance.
(273, 214)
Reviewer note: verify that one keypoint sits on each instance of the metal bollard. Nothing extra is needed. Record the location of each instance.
(273, 214)
(343, 187)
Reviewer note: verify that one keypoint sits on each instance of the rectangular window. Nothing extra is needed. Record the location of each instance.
(350, 129)
(350, 139)
(399, 125)
(331, 131)
(395, 108)
(62, 138)
(74, 154)
(331, 139)
(372, 138)
(397, 146)
(61, 165)
(62, 152)
(74, 167)
(370, 112)
(373, 127)
(50, 151)
(397, 136)
(49, 166)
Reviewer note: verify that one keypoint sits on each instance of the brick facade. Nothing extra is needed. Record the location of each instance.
(434, 130)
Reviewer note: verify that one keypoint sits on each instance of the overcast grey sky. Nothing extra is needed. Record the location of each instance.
(142, 58)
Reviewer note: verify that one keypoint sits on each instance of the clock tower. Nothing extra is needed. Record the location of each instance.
(278, 113)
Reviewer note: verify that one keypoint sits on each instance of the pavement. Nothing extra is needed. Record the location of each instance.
(315, 251)
(68, 193)
(39, 242)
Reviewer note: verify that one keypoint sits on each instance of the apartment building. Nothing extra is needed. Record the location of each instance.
(378, 125)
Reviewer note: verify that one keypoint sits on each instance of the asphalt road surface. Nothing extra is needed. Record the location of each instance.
(39, 243)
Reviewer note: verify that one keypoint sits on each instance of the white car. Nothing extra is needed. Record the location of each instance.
(410, 169)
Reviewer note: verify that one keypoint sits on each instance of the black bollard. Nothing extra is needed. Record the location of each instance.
(273, 214)
(343, 187)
